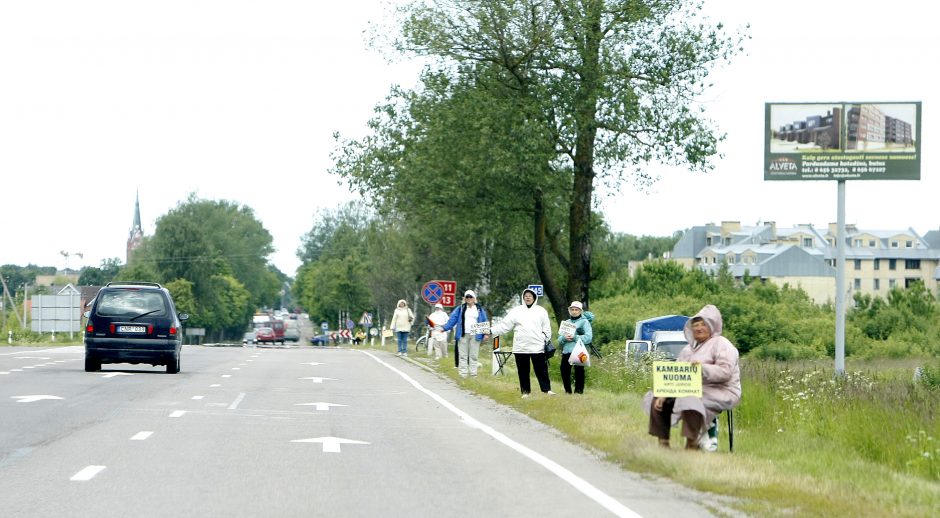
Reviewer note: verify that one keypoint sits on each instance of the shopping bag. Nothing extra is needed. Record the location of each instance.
(579, 355)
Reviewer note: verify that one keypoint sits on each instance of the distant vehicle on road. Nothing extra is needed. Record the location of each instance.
(249, 338)
(266, 335)
(133, 322)
(320, 340)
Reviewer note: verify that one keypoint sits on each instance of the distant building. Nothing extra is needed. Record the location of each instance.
(136, 236)
(804, 256)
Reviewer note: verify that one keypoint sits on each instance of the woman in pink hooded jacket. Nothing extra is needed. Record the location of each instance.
(721, 383)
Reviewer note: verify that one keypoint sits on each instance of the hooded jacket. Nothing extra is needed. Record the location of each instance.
(402, 318)
(456, 321)
(721, 374)
(582, 330)
(531, 325)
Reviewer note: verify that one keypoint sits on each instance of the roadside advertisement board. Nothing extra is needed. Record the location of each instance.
(676, 379)
(842, 141)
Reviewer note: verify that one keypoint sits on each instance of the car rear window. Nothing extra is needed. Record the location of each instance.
(131, 303)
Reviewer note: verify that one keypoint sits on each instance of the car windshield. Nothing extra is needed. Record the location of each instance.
(131, 303)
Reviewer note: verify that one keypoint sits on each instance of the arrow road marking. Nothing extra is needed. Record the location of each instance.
(331, 444)
(320, 406)
(30, 399)
(318, 380)
(115, 374)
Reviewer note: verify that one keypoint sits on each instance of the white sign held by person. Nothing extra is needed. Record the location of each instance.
(567, 328)
(480, 328)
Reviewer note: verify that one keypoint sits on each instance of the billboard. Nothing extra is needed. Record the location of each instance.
(842, 141)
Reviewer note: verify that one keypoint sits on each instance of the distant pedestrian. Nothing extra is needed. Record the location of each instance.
(401, 325)
(532, 329)
(461, 320)
(578, 328)
(436, 321)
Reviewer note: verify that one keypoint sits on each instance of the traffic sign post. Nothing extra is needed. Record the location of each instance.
(432, 292)
(537, 288)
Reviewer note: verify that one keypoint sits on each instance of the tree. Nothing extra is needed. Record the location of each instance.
(92, 276)
(606, 86)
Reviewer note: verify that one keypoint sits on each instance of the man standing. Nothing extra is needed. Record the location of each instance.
(462, 320)
(436, 320)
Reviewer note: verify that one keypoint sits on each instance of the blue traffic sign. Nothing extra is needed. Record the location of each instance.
(324, 326)
(537, 288)
(433, 292)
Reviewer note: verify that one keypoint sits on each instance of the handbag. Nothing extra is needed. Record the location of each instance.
(579, 355)
(549, 348)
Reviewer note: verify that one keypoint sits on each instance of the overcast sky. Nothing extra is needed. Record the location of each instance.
(238, 99)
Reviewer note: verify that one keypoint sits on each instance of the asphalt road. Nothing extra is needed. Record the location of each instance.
(296, 431)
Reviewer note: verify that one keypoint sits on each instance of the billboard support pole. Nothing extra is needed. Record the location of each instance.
(840, 282)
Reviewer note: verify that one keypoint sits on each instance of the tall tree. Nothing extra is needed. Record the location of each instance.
(610, 83)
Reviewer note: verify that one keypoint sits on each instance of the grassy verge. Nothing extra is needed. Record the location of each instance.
(806, 443)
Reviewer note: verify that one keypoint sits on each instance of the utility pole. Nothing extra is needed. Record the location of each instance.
(6, 292)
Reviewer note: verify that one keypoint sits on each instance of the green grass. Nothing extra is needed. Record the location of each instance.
(806, 442)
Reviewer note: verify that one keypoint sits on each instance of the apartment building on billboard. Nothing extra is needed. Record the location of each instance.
(822, 130)
(805, 256)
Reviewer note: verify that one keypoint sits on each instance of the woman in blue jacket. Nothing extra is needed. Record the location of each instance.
(468, 344)
(567, 338)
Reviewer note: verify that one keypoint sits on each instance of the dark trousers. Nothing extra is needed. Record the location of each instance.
(661, 422)
(566, 375)
(539, 365)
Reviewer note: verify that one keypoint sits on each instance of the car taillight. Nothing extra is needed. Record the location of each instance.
(111, 328)
(89, 328)
(150, 329)
(172, 330)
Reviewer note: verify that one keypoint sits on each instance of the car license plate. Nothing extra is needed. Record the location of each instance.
(132, 329)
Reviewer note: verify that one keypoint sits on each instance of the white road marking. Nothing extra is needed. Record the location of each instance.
(141, 436)
(197, 397)
(30, 399)
(238, 400)
(115, 374)
(592, 492)
(87, 474)
(214, 385)
(226, 375)
(331, 444)
(29, 367)
(320, 406)
(313, 363)
(236, 368)
(32, 358)
(4, 372)
(316, 379)
(177, 413)
(16, 370)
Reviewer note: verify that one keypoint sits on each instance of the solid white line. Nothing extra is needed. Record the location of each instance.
(177, 413)
(87, 474)
(141, 436)
(238, 400)
(603, 499)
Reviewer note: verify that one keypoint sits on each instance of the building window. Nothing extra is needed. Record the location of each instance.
(891, 284)
(727, 241)
(857, 284)
(877, 284)
(708, 241)
(858, 264)
(877, 264)
(908, 244)
(892, 264)
(894, 244)
(807, 242)
(912, 264)
(858, 243)
(871, 243)
(730, 259)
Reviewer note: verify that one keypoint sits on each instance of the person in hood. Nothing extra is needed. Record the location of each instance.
(436, 321)
(401, 322)
(532, 329)
(461, 320)
(721, 384)
(581, 320)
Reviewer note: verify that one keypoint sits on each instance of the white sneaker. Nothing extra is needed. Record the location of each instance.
(709, 444)
(524, 396)
(550, 393)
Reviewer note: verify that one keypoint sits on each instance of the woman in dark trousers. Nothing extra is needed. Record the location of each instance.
(532, 329)
(578, 327)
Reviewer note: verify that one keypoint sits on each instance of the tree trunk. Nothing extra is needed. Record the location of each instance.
(555, 297)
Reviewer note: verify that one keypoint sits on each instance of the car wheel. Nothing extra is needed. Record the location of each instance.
(91, 365)
(174, 366)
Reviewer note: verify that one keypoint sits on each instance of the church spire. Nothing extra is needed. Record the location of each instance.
(137, 226)
(137, 232)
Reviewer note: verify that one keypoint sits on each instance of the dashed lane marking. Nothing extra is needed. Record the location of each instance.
(141, 436)
(87, 473)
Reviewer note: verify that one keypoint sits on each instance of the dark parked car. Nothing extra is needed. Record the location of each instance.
(266, 335)
(133, 322)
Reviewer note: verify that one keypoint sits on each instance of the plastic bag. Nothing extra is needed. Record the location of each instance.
(579, 355)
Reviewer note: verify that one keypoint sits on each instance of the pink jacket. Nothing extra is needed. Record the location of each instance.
(721, 375)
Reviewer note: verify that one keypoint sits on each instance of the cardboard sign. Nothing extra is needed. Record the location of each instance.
(480, 328)
(567, 328)
(677, 379)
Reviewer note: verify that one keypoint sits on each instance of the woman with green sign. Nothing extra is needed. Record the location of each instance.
(721, 384)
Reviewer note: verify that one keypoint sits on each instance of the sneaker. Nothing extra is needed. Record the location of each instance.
(398, 353)
(710, 444)
(404, 355)
(524, 396)
(550, 393)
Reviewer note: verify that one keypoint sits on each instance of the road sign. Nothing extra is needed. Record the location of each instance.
(324, 326)
(432, 292)
(537, 288)
(449, 299)
(350, 324)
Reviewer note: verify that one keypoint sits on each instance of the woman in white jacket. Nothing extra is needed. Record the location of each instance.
(532, 328)
(401, 324)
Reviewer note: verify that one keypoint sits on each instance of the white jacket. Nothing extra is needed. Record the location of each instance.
(402, 319)
(438, 318)
(531, 326)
